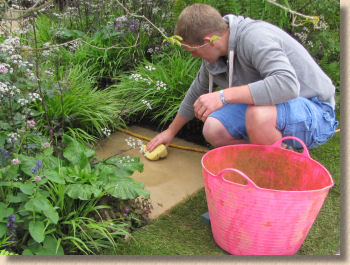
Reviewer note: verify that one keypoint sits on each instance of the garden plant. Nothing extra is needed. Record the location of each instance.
(71, 73)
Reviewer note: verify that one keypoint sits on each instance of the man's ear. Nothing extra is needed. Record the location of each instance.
(207, 39)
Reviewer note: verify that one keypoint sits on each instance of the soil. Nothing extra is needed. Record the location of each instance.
(191, 132)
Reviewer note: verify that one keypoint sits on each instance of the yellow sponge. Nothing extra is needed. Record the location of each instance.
(159, 152)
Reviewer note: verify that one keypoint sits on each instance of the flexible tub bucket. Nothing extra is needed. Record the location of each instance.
(263, 200)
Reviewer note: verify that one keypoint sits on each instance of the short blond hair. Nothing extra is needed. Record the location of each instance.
(198, 20)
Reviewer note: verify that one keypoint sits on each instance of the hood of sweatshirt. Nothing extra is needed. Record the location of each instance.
(236, 24)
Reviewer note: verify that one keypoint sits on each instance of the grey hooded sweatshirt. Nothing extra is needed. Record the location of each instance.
(274, 65)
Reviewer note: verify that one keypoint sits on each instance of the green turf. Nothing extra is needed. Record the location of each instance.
(181, 232)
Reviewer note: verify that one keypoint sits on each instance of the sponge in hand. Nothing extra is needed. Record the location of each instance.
(159, 152)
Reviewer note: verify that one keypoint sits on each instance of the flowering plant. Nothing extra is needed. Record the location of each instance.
(43, 197)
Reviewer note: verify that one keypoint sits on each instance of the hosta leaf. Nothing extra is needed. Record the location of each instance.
(54, 176)
(126, 188)
(77, 153)
(37, 230)
(80, 191)
(125, 166)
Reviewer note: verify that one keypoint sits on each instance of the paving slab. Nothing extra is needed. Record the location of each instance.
(169, 180)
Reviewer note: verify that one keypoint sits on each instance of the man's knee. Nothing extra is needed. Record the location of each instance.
(211, 130)
(217, 135)
(258, 117)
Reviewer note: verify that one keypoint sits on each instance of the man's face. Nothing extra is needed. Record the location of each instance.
(205, 52)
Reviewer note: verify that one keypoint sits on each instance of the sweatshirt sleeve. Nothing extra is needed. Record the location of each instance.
(199, 86)
(279, 83)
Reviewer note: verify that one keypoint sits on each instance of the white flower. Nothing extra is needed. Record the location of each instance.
(160, 85)
(106, 131)
(22, 101)
(147, 104)
(136, 77)
(150, 68)
(12, 137)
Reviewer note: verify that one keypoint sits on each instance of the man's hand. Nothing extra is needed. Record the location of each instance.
(207, 104)
(165, 137)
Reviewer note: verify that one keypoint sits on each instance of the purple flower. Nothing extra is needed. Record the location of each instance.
(38, 163)
(31, 123)
(3, 69)
(4, 153)
(12, 218)
(37, 178)
(132, 27)
(15, 161)
(11, 228)
(118, 25)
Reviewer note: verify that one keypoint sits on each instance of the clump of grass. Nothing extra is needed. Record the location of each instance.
(157, 89)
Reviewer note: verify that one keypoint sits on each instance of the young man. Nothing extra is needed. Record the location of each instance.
(270, 85)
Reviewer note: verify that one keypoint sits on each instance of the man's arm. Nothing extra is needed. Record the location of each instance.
(165, 137)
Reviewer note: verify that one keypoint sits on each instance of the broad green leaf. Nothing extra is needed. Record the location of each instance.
(3, 211)
(3, 229)
(33, 246)
(27, 188)
(4, 126)
(73, 151)
(20, 197)
(37, 230)
(104, 172)
(3, 138)
(77, 153)
(27, 252)
(126, 188)
(29, 206)
(52, 215)
(79, 191)
(11, 172)
(27, 164)
(41, 203)
(125, 166)
(48, 151)
(50, 247)
(54, 176)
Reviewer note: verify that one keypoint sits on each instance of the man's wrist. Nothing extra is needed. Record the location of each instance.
(222, 97)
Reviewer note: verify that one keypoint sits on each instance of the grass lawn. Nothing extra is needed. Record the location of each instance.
(181, 232)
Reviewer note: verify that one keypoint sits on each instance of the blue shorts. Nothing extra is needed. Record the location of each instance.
(310, 120)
